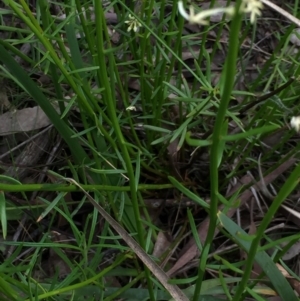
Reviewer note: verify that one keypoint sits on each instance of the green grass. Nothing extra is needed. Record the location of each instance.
(143, 122)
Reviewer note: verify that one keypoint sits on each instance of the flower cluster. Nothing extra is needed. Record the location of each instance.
(253, 7)
(133, 24)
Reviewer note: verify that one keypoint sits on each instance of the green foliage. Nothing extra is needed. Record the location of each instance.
(139, 115)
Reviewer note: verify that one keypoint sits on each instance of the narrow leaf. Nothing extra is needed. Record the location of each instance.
(188, 193)
(278, 281)
(3, 214)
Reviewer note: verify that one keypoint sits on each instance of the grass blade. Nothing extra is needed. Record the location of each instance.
(3, 214)
(278, 281)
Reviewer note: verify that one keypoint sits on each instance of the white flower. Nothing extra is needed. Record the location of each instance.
(133, 23)
(253, 7)
(131, 108)
(201, 16)
(295, 123)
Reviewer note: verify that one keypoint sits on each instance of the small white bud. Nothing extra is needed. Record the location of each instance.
(295, 123)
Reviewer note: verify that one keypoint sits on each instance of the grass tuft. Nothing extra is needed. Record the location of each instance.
(170, 170)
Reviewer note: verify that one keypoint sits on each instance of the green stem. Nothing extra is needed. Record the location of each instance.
(111, 108)
(228, 81)
(101, 32)
(71, 188)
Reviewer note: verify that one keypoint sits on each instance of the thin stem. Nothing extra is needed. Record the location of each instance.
(228, 76)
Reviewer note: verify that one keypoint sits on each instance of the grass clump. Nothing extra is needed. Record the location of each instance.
(169, 156)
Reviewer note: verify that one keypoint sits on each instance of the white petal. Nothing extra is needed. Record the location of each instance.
(295, 123)
(182, 10)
